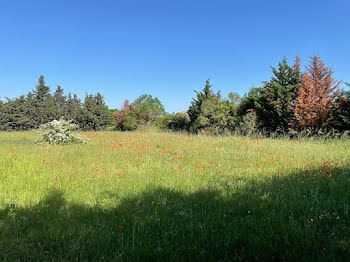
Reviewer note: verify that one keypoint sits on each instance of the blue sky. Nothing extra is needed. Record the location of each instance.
(162, 47)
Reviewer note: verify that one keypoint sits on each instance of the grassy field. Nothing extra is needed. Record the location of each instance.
(148, 195)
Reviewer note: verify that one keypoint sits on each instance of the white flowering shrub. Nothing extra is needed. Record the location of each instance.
(60, 132)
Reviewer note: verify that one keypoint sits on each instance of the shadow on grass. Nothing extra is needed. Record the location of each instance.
(294, 218)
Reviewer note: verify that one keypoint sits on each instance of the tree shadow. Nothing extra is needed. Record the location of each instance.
(295, 217)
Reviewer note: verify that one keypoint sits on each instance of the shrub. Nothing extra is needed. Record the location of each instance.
(249, 125)
(59, 132)
(129, 122)
(180, 121)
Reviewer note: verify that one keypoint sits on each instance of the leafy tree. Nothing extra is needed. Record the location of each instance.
(234, 99)
(148, 108)
(144, 110)
(313, 105)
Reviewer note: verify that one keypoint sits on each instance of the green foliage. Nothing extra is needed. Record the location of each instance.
(340, 115)
(176, 122)
(211, 113)
(195, 107)
(59, 102)
(95, 114)
(249, 125)
(130, 122)
(43, 102)
(148, 108)
(215, 116)
(74, 109)
(39, 107)
(164, 121)
(234, 99)
(143, 111)
(208, 112)
(14, 115)
(273, 102)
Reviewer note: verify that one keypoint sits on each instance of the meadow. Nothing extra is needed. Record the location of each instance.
(155, 196)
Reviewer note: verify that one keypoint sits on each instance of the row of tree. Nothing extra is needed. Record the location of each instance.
(291, 101)
(40, 106)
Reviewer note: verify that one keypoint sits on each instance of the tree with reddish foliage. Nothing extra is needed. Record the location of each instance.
(313, 104)
(119, 115)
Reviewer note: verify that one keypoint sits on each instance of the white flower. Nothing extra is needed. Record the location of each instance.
(59, 132)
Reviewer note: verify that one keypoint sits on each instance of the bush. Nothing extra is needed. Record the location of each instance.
(180, 121)
(249, 125)
(59, 132)
(129, 123)
(164, 122)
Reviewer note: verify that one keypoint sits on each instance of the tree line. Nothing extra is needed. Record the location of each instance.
(292, 101)
(40, 106)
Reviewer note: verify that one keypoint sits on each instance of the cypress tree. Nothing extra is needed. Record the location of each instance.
(42, 113)
(195, 107)
(73, 109)
(275, 101)
(59, 102)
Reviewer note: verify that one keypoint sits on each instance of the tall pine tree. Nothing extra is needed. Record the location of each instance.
(42, 113)
(59, 102)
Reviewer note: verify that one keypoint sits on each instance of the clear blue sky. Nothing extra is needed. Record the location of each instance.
(162, 47)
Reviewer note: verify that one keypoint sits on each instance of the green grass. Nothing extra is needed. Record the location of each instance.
(145, 196)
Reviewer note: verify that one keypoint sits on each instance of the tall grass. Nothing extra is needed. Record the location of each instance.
(152, 195)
